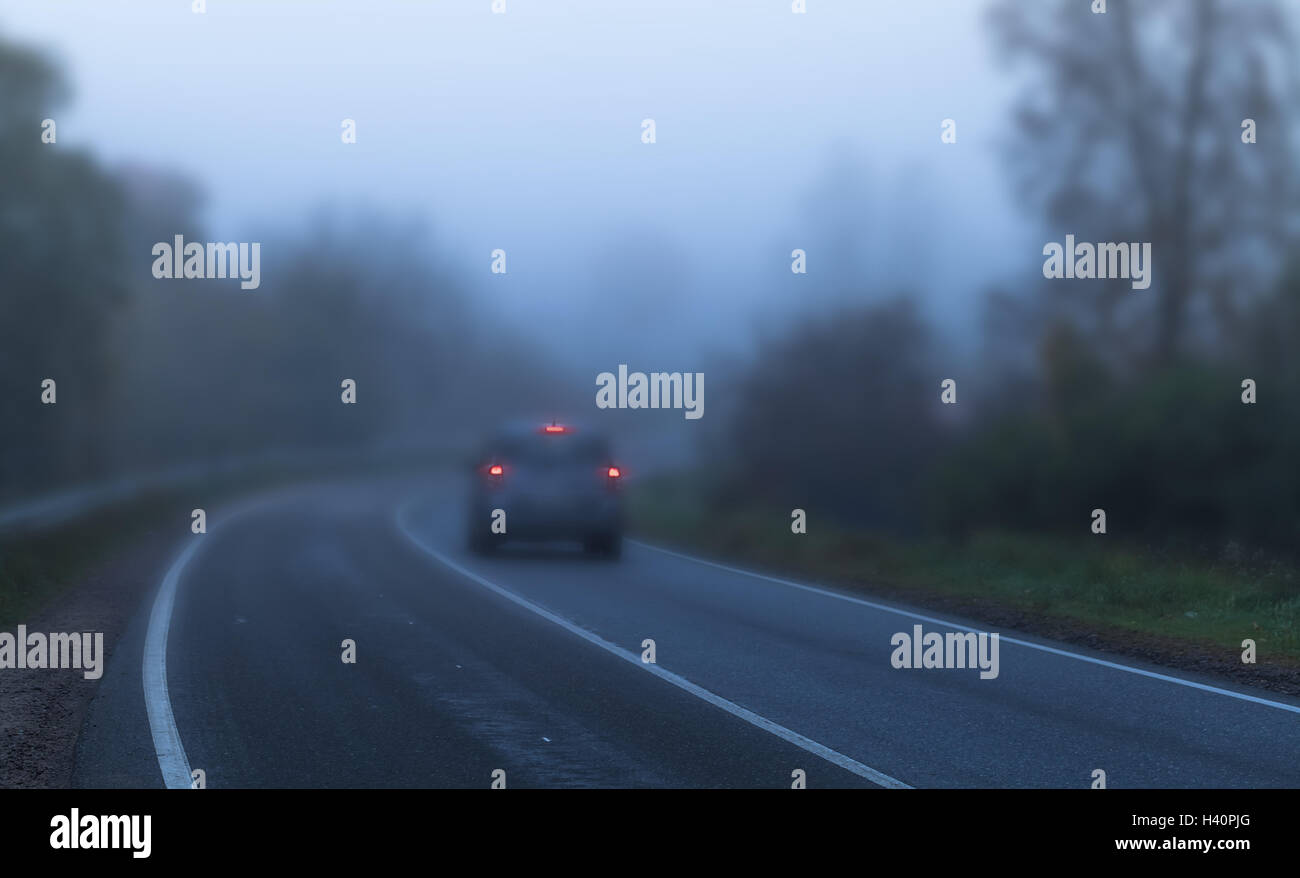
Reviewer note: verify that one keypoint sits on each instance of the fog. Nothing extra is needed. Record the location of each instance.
(839, 213)
(522, 131)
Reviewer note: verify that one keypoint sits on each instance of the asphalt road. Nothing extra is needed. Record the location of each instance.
(530, 664)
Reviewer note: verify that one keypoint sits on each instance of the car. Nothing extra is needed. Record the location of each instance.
(546, 482)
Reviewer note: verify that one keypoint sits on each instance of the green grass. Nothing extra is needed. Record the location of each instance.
(36, 568)
(1093, 581)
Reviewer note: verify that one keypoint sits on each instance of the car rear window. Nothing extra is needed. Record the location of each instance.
(552, 449)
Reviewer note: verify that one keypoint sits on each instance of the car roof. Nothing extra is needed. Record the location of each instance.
(527, 434)
(519, 429)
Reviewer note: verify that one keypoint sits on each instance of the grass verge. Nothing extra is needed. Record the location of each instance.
(1093, 589)
(36, 568)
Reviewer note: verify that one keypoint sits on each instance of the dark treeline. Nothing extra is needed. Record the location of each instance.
(1085, 393)
(151, 373)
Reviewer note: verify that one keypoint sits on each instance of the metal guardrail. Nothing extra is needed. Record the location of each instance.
(71, 503)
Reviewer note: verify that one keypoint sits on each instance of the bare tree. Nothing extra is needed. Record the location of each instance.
(1129, 127)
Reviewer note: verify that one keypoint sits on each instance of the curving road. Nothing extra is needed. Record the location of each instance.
(530, 663)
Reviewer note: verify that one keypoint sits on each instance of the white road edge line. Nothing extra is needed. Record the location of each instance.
(162, 724)
(767, 725)
(173, 762)
(953, 625)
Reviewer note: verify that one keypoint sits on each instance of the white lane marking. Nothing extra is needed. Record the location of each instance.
(1003, 638)
(173, 762)
(767, 725)
(162, 724)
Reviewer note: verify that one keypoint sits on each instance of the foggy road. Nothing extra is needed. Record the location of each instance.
(529, 663)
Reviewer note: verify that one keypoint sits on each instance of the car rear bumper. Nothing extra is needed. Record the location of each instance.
(529, 519)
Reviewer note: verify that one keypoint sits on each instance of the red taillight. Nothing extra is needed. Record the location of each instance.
(614, 472)
(495, 470)
(553, 428)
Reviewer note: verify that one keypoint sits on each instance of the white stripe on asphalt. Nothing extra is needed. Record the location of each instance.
(767, 725)
(166, 737)
(173, 762)
(1003, 638)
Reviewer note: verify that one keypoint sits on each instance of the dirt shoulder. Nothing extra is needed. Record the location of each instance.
(44, 709)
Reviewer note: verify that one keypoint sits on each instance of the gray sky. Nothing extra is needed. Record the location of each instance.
(522, 131)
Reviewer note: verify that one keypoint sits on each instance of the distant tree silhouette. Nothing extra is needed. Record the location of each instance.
(1128, 128)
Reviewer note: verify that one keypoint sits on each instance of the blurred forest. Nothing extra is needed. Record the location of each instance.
(1084, 393)
(1080, 393)
(152, 373)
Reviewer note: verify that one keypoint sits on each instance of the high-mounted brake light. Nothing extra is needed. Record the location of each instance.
(552, 428)
(495, 470)
(614, 472)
